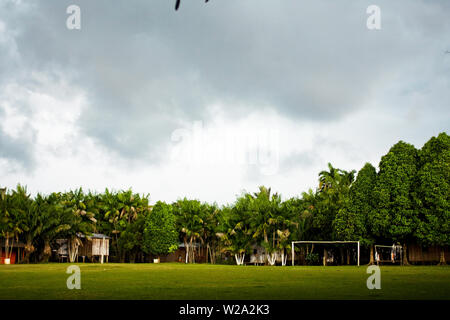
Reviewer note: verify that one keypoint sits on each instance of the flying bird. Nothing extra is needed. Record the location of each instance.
(177, 5)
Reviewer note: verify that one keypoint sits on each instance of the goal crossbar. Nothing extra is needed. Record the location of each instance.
(323, 242)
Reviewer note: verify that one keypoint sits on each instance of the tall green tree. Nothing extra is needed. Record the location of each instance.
(301, 213)
(54, 220)
(132, 239)
(290, 224)
(264, 209)
(353, 221)
(211, 216)
(120, 209)
(160, 231)
(16, 219)
(80, 220)
(21, 218)
(189, 217)
(8, 228)
(396, 214)
(238, 237)
(28, 213)
(331, 197)
(434, 193)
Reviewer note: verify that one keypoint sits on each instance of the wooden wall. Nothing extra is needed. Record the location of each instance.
(95, 247)
(100, 247)
(417, 253)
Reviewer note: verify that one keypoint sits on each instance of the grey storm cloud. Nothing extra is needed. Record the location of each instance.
(17, 150)
(145, 67)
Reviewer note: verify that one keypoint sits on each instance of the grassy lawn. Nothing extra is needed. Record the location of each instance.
(180, 281)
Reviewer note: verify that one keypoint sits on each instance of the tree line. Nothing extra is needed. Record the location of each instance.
(405, 201)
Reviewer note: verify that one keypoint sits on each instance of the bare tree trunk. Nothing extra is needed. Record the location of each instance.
(272, 258)
(240, 258)
(186, 248)
(212, 254)
(325, 256)
(29, 248)
(266, 240)
(372, 261)
(348, 257)
(442, 261)
(284, 257)
(211, 258)
(12, 247)
(273, 240)
(405, 255)
(8, 247)
(47, 251)
(7, 254)
(117, 246)
(191, 252)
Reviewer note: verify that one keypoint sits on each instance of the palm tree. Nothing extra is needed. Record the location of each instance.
(27, 218)
(81, 222)
(335, 178)
(209, 230)
(333, 195)
(238, 235)
(308, 206)
(16, 215)
(120, 210)
(328, 178)
(259, 207)
(190, 223)
(53, 220)
(6, 221)
(289, 222)
(265, 210)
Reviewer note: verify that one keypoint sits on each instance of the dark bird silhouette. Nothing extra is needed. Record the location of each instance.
(177, 5)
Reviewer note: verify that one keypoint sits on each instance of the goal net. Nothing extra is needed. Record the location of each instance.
(388, 254)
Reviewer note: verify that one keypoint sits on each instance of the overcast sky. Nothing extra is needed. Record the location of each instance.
(215, 98)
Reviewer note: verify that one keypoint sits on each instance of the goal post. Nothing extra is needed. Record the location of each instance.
(325, 242)
(392, 253)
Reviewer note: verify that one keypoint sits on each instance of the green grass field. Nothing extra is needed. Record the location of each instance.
(201, 281)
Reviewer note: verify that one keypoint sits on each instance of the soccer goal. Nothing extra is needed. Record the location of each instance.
(358, 247)
(388, 254)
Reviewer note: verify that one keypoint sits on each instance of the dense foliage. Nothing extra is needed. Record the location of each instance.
(160, 233)
(406, 201)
